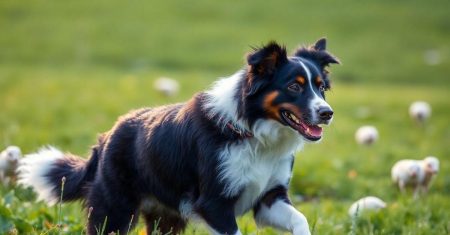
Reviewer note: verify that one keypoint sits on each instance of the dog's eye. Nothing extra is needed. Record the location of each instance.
(295, 87)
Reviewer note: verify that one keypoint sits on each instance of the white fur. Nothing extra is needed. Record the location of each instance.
(221, 101)
(417, 173)
(34, 167)
(369, 203)
(420, 111)
(284, 217)
(366, 135)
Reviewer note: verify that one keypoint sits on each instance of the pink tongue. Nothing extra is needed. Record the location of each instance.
(315, 130)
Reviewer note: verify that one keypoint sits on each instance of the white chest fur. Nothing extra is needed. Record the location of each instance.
(256, 165)
(261, 177)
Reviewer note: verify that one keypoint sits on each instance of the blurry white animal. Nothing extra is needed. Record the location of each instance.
(415, 173)
(420, 111)
(366, 135)
(432, 57)
(369, 203)
(9, 160)
(167, 86)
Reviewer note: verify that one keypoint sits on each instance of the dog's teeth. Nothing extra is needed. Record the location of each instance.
(295, 119)
(308, 131)
(292, 117)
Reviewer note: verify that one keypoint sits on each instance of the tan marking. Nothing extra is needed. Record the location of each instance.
(300, 80)
(272, 110)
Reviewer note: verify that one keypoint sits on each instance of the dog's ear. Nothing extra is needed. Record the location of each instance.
(318, 54)
(321, 44)
(262, 63)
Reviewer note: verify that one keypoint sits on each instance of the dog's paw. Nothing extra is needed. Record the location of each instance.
(301, 231)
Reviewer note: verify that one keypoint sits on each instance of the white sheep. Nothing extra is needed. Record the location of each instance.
(369, 203)
(9, 160)
(167, 86)
(366, 135)
(415, 173)
(420, 111)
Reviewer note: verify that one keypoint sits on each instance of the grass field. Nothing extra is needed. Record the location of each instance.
(69, 69)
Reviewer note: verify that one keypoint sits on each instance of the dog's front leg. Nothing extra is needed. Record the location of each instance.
(275, 209)
(218, 213)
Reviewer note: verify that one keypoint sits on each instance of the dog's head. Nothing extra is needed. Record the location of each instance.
(290, 90)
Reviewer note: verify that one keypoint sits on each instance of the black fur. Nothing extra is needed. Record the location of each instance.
(170, 154)
(263, 63)
(77, 174)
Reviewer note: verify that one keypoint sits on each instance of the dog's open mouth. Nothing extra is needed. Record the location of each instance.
(310, 132)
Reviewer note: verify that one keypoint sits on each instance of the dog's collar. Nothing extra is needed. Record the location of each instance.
(241, 133)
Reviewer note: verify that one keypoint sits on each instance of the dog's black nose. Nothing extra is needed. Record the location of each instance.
(325, 113)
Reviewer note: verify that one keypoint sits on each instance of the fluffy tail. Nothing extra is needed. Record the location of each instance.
(44, 172)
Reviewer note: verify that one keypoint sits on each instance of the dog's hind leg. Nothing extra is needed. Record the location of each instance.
(165, 223)
(115, 211)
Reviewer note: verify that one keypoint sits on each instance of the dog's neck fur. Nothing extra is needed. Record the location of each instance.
(221, 103)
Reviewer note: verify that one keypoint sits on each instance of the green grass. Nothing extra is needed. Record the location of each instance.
(69, 69)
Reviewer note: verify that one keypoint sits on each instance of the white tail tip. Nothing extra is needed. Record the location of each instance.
(32, 171)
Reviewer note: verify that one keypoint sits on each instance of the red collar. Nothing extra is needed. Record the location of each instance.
(242, 133)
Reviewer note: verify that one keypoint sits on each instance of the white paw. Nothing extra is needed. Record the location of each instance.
(300, 224)
(301, 230)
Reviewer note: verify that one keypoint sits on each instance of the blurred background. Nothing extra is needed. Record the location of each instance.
(68, 69)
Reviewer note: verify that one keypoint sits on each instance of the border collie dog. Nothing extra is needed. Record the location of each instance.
(224, 152)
